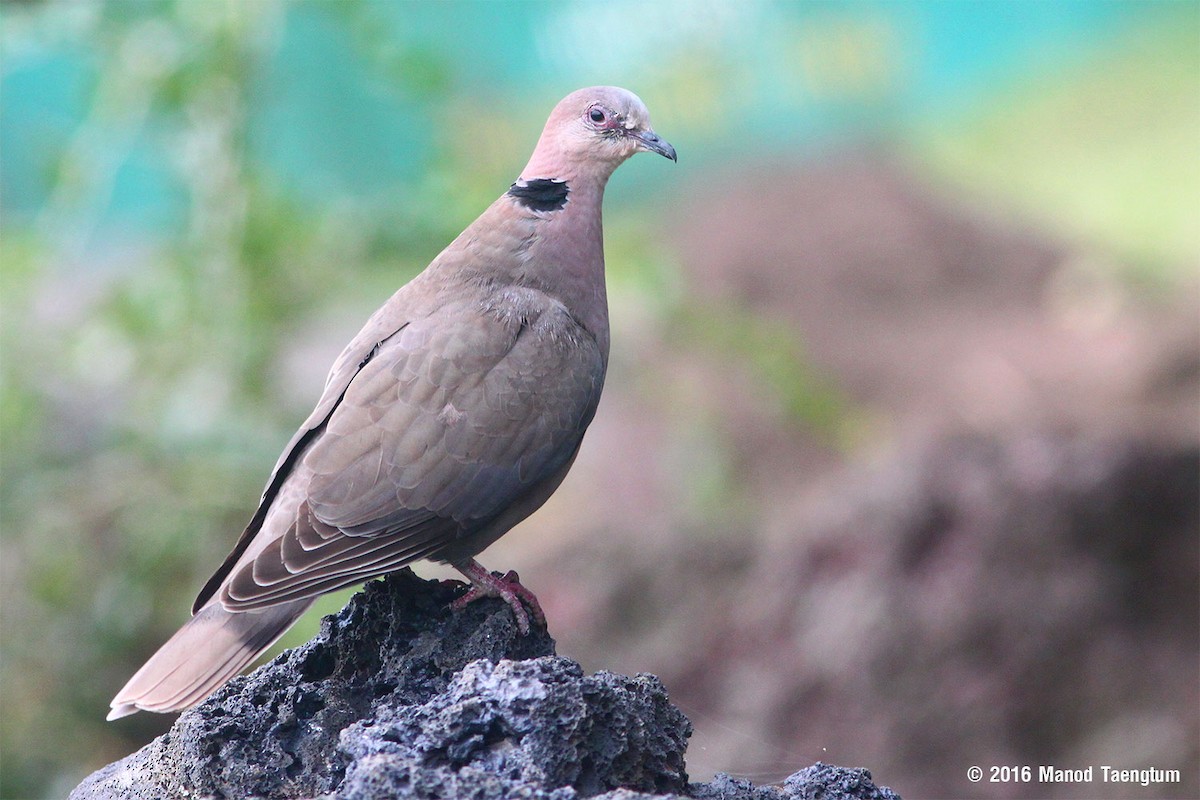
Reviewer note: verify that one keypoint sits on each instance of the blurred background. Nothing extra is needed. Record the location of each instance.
(897, 464)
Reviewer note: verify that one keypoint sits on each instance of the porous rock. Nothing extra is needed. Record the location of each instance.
(398, 696)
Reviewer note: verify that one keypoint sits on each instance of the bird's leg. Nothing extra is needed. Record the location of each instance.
(508, 587)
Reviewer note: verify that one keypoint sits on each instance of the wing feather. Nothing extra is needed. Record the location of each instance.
(447, 424)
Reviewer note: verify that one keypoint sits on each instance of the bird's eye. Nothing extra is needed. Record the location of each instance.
(597, 115)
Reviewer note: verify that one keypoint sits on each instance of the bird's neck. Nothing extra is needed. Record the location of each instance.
(565, 255)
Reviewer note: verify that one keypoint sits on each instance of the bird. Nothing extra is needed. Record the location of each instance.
(450, 417)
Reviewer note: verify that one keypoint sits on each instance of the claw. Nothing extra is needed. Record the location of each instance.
(507, 587)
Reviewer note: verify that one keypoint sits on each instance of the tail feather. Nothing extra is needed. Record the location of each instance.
(207, 651)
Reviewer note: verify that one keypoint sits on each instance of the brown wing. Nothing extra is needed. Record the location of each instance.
(453, 419)
(384, 323)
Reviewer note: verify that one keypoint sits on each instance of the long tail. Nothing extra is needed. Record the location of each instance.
(207, 651)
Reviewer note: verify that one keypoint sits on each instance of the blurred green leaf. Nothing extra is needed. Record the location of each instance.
(774, 354)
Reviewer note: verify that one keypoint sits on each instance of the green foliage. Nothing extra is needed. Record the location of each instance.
(769, 354)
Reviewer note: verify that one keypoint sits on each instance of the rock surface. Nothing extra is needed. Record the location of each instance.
(399, 697)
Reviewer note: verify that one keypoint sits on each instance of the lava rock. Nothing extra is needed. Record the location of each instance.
(826, 782)
(397, 696)
(505, 728)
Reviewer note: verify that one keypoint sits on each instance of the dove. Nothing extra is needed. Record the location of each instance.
(450, 417)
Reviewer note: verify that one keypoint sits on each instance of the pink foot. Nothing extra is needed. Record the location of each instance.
(508, 588)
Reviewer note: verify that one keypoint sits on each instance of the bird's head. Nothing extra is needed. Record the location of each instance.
(599, 126)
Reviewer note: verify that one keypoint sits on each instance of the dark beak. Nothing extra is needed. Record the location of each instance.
(651, 141)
